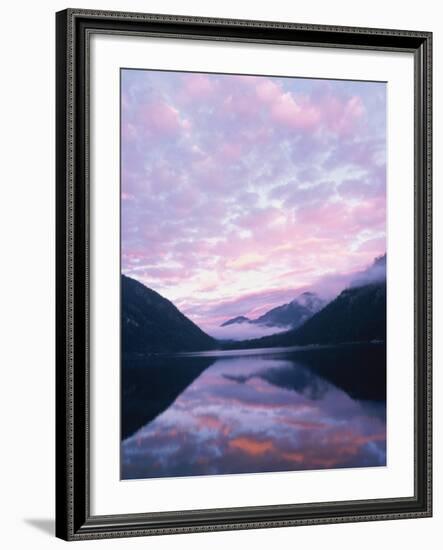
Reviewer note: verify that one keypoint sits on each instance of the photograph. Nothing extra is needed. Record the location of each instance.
(220, 238)
(243, 321)
(253, 254)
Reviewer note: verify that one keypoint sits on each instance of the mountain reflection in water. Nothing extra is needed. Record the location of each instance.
(254, 411)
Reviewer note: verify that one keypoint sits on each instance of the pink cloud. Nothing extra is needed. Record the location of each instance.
(260, 218)
(231, 151)
(240, 105)
(267, 91)
(341, 116)
(342, 218)
(160, 117)
(375, 247)
(285, 110)
(186, 124)
(299, 111)
(197, 86)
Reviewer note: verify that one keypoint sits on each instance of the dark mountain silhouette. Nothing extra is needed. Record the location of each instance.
(338, 364)
(310, 368)
(151, 384)
(152, 324)
(289, 315)
(358, 314)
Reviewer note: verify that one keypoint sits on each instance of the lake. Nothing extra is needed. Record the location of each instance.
(251, 411)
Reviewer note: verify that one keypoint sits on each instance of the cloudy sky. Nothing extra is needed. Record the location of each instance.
(239, 192)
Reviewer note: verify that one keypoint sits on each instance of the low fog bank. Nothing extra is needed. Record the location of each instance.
(244, 331)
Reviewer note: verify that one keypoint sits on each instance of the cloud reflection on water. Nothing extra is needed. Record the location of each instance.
(257, 414)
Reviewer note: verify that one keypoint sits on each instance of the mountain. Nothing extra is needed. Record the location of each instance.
(150, 384)
(152, 324)
(375, 273)
(290, 315)
(293, 314)
(236, 320)
(358, 314)
(311, 301)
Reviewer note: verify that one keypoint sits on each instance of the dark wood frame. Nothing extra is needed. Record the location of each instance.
(73, 518)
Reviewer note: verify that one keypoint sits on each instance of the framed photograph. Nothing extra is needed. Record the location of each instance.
(243, 274)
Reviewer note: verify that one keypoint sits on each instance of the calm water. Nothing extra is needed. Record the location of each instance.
(254, 411)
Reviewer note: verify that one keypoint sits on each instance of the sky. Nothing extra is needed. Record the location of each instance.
(239, 192)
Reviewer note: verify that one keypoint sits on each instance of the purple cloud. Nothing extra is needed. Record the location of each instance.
(235, 185)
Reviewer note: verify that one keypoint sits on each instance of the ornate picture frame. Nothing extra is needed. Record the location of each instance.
(75, 518)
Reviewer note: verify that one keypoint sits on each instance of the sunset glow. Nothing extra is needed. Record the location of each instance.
(239, 192)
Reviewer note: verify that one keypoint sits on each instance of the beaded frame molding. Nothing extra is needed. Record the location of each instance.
(74, 28)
